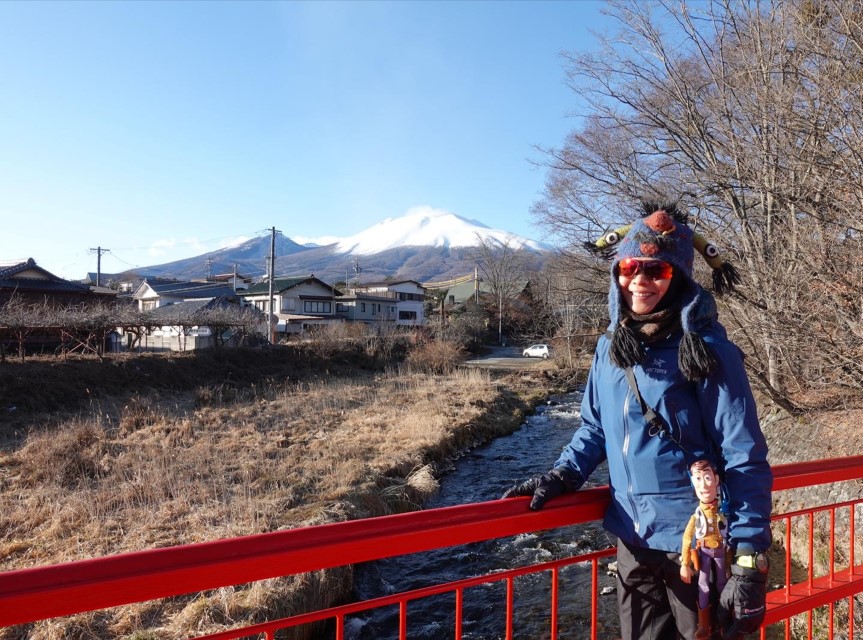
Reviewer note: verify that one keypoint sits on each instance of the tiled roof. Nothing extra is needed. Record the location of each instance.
(10, 269)
(47, 284)
(42, 286)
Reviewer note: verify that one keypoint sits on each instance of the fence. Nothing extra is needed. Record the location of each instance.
(830, 578)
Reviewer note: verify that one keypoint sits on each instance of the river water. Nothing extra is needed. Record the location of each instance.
(480, 475)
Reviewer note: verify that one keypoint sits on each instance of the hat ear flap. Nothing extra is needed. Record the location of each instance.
(694, 357)
(626, 349)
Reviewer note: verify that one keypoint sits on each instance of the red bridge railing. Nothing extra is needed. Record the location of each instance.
(51, 591)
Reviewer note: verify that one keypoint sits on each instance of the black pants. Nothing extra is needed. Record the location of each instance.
(654, 603)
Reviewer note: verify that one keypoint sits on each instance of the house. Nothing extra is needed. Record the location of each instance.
(173, 303)
(124, 283)
(176, 333)
(298, 302)
(236, 281)
(153, 293)
(41, 294)
(28, 282)
(408, 295)
(358, 306)
(475, 289)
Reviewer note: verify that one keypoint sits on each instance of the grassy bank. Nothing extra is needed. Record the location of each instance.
(179, 450)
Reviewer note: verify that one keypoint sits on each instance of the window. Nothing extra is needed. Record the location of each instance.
(373, 308)
(363, 307)
(341, 307)
(407, 315)
(317, 306)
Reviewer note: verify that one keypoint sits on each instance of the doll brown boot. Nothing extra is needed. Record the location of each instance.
(704, 630)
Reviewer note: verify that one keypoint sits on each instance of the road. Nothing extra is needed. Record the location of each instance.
(507, 358)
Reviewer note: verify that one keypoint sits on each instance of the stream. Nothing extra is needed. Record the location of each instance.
(480, 475)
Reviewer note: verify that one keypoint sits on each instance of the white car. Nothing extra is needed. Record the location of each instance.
(537, 351)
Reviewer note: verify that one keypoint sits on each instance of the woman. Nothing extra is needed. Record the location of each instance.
(664, 333)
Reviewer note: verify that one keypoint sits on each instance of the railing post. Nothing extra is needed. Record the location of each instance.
(510, 596)
(555, 583)
(459, 604)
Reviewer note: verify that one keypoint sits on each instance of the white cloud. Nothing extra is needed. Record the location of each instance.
(162, 246)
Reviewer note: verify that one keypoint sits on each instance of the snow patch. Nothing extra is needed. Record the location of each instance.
(427, 226)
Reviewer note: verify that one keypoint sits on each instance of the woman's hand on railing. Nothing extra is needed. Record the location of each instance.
(547, 486)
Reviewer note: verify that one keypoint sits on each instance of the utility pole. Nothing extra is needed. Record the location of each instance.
(270, 277)
(99, 251)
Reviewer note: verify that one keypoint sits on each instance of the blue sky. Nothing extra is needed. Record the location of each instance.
(163, 130)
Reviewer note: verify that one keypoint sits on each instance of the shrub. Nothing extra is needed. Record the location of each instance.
(435, 356)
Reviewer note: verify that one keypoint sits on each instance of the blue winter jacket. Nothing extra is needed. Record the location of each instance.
(651, 495)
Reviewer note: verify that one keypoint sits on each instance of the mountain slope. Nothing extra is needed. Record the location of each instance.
(424, 226)
(424, 244)
(250, 257)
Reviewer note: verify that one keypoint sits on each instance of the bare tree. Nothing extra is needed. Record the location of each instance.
(749, 113)
(227, 320)
(574, 302)
(505, 266)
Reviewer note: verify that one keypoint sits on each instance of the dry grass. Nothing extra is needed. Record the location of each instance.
(224, 461)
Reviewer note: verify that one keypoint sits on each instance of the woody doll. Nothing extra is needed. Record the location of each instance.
(707, 526)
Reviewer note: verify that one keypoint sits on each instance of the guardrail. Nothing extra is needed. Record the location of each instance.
(51, 591)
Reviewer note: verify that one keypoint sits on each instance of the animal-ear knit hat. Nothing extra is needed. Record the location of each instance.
(663, 234)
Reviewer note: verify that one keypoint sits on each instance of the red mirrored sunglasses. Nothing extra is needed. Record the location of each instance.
(653, 269)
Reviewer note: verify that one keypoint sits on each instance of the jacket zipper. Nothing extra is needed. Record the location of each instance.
(626, 462)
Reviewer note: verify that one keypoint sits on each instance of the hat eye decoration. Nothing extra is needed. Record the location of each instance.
(605, 246)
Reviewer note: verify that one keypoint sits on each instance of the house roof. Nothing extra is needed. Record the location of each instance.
(389, 283)
(37, 279)
(187, 289)
(187, 307)
(283, 284)
(465, 290)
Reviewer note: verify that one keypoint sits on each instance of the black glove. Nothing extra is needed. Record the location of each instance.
(545, 487)
(742, 603)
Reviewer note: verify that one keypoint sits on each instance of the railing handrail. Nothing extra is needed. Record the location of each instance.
(38, 593)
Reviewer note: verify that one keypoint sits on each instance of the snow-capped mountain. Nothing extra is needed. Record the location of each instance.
(424, 244)
(427, 227)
